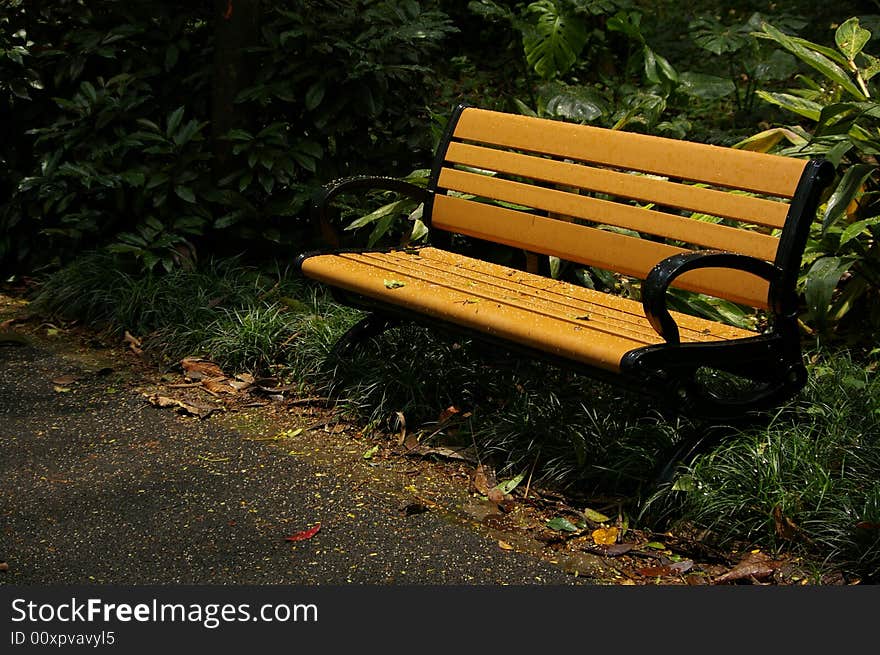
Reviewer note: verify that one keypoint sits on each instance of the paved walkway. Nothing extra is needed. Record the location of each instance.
(98, 486)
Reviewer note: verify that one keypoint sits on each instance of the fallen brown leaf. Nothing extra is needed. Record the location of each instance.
(495, 495)
(754, 565)
(448, 413)
(218, 385)
(785, 527)
(618, 549)
(196, 368)
(484, 480)
(133, 342)
(195, 409)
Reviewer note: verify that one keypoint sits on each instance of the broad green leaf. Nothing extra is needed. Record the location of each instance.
(380, 229)
(239, 135)
(857, 228)
(187, 132)
(148, 124)
(524, 109)
(381, 212)
(794, 104)
(89, 90)
(850, 185)
(419, 230)
(185, 193)
(509, 485)
(851, 294)
(779, 65)
(553, 44)
(813, 57)
(655, 545)
(134, 178)
(706, 87)
(666, 68)
(682, 483)
(837, 119)
(174, 119)
(562, 524)
(851, 38)
(872, 67)
(651, 66)
(628, 23)
(368, 454)
(596, 517)
(836, 153)
(822, 280)
(315, 95)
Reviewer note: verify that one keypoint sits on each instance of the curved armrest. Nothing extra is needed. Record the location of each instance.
(322, 197)
(661, 276)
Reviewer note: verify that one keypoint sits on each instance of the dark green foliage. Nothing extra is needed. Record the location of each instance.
(110, 142)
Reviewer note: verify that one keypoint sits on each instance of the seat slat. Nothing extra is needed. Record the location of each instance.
(493, 299)
(724, 204)
(590, 246)
(606, 212)
(727, 167)
(570, 301)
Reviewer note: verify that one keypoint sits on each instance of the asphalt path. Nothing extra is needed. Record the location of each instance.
(99, 487)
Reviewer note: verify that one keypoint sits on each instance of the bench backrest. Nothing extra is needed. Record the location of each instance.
(616, 200)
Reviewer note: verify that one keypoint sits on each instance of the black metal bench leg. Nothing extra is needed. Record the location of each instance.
(370, 326)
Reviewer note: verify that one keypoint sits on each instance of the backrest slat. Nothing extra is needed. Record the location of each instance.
(616, 200)
(745, 208)
(645, 221)
(589, 246)
(740, 169)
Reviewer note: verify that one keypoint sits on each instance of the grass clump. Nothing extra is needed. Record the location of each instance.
(808, 481)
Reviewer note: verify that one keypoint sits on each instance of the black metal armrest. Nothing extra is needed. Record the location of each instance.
(661, 276)
(322, 197)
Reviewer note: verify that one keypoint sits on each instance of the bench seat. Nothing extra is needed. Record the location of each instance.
(553, 316)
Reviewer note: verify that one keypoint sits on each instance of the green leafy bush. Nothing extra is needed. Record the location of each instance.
(111, 136)
(842, 115)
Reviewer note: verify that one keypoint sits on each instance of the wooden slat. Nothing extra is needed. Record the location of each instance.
(670, 226)
(537, 291)
(501, 302)
(590, 246)
(748, 209)
(728, 167)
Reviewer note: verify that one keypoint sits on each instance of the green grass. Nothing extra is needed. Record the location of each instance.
(806, 481)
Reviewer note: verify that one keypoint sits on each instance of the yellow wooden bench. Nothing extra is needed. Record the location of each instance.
(712, 220)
